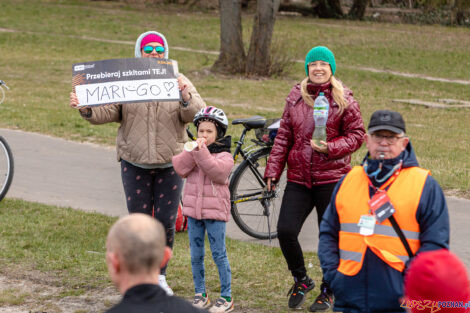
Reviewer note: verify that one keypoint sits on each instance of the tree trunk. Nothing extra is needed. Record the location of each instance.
(259, 56)
(358, 9)
(232, 55)
(329, 9)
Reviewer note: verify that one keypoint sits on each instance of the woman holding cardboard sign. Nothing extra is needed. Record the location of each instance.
(149, 135)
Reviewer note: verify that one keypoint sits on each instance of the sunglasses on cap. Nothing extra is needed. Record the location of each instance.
(158, 49)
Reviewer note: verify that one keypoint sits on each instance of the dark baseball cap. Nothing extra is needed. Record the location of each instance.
(386, 120)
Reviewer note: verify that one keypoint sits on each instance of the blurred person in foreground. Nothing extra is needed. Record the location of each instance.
(437, 281)
(135, 252)
(381, 214)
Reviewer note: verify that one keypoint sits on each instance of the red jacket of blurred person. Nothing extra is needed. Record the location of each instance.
(437, 281)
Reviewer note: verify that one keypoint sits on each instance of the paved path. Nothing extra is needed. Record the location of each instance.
(87, 177)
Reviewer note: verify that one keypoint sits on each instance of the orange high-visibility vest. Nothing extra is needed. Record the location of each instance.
(352, 202)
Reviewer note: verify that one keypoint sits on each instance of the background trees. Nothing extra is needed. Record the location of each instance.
(257, 58)
(232, 58)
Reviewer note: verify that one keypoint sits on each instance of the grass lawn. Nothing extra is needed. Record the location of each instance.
(70, 245)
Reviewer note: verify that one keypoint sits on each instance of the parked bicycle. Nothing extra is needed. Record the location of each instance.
(6, 157)
(254, 209)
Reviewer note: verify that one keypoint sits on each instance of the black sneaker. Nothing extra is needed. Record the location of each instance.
(298, 291)
(324, 301)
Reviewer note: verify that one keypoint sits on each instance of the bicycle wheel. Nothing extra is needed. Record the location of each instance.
(6, 167)
(253, 209)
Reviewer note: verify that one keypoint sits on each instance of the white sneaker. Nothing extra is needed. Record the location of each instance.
(162, 282)
(201, 302)
(222, 305)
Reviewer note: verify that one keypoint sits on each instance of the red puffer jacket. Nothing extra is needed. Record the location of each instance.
(345, 134)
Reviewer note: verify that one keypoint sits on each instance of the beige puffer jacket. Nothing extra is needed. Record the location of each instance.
(150, 132)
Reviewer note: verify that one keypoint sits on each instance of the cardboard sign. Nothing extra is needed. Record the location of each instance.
(125, 80)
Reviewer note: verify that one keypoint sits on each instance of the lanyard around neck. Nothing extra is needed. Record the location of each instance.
(389, 182)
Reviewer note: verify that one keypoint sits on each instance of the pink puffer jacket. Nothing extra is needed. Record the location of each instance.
(206, 194)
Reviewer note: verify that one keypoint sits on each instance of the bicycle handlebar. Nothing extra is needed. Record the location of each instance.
(4, 84)
(190, 134)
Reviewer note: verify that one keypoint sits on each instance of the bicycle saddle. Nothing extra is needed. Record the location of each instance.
(252, 122)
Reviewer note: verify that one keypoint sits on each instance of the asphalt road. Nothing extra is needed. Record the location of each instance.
(87, 177)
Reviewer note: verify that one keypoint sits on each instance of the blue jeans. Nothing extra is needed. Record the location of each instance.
(216, 233)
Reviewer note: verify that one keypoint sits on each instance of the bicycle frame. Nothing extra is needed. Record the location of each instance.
(245, 153)
(251, 197)
(2, 83)
(2, 92)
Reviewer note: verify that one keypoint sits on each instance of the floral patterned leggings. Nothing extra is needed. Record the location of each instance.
(155, 192)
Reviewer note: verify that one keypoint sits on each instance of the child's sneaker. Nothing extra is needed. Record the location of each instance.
(222, 305)
(200, 301)
(298, 291)
(162, 282)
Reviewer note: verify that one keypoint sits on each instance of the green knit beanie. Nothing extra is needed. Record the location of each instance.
(320, 53)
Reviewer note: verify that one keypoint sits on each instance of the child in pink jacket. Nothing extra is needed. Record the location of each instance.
(206, 202)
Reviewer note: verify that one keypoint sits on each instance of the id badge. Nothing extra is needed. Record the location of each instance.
(381, 206)
(366, 225)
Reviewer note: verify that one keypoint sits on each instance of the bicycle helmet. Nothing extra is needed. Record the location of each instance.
(215, 115)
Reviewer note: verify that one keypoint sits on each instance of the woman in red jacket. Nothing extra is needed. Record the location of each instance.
(313, 170)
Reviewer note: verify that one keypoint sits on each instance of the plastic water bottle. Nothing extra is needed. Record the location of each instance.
(320, 115)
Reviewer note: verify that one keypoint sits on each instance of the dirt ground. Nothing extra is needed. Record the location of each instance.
(34, 293)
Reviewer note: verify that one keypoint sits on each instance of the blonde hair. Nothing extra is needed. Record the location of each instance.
(337, 91)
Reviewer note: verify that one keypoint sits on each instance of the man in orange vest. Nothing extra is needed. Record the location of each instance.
(381, 214)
